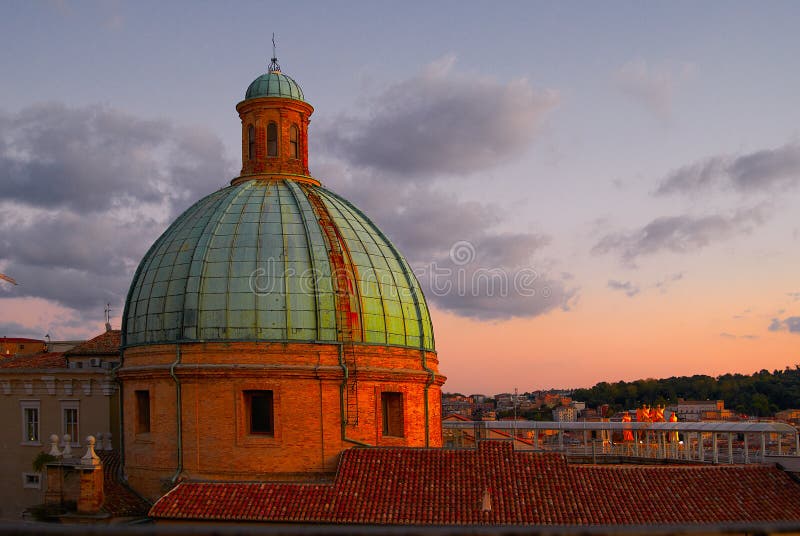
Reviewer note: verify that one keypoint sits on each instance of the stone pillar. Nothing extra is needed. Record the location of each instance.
(91, 495)
(53, 494)
(91, 470)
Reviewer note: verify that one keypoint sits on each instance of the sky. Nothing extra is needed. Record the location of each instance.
(587, 192)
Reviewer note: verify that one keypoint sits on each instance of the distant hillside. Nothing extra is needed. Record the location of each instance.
(760, 394)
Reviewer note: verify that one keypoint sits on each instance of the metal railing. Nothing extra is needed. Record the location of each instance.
(708, 442)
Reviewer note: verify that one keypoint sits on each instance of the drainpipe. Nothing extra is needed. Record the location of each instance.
(431, 380)
(342, 388)
(121, 431)
(179, 421)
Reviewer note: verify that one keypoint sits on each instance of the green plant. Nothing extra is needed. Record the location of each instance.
(41, 460)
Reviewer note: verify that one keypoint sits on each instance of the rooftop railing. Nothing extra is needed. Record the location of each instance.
(708, 442)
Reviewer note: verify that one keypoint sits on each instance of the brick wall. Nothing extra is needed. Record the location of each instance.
(305, 380)
(285, 113)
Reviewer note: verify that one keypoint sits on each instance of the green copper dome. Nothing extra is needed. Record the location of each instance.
(276, 260)
(274, 84)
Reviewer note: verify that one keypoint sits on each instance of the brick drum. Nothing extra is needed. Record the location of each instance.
(306, 380)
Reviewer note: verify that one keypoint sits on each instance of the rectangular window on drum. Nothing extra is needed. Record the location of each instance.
(260, 412)
(392, 409)
(142, 412)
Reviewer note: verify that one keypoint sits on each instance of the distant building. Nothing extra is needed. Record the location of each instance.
(693, 410)
(457, 404)
(719, 415)
(504, 401)
(11, 346)
(565, 414)
(791, 416)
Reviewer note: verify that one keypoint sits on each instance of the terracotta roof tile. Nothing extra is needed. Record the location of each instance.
(120, 501)
(42, 360)
(405, 486)
(456, 417)
(107, 343)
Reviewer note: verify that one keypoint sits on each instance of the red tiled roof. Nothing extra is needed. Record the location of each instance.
(107, 343)
(42, 360)
(456, 417)
(405, 486)
(119, 501)
(19, 339)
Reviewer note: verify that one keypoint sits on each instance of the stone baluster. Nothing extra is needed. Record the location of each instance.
(54, 451)
(90, 458)
(67, 446)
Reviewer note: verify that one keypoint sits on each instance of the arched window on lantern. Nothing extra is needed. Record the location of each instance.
(272, 139)
(294, 142)
(251, 142)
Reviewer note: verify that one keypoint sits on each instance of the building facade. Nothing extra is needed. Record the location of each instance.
(12, 346)
(47, 394)
(693, 410)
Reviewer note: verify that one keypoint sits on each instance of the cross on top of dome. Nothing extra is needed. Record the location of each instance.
(274, 66)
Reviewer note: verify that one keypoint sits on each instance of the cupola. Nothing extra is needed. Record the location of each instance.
(275, 122)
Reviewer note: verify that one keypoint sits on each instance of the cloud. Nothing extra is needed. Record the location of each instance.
(665, 283)
(731, 336)
(85, 191)
(92, 159)
(81, 262)
(493, 276)
(441, 122)
(505, 275)
(14, 329)
(653, 86)
(390, 161)
(790, 324)
(764, 170)
(795, 296)
(679, 234)
(627, 287)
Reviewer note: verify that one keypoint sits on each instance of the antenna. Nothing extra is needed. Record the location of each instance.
(515, 417)
(274, 67)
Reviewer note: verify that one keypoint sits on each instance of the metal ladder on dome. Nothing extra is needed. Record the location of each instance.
(345, 316)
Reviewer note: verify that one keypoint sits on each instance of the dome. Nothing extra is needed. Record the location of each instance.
(274, 84)
(275, 260)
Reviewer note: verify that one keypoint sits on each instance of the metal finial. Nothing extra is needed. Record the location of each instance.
(273, 65)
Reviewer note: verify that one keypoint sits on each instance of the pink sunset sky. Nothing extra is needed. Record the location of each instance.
(639, 165)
